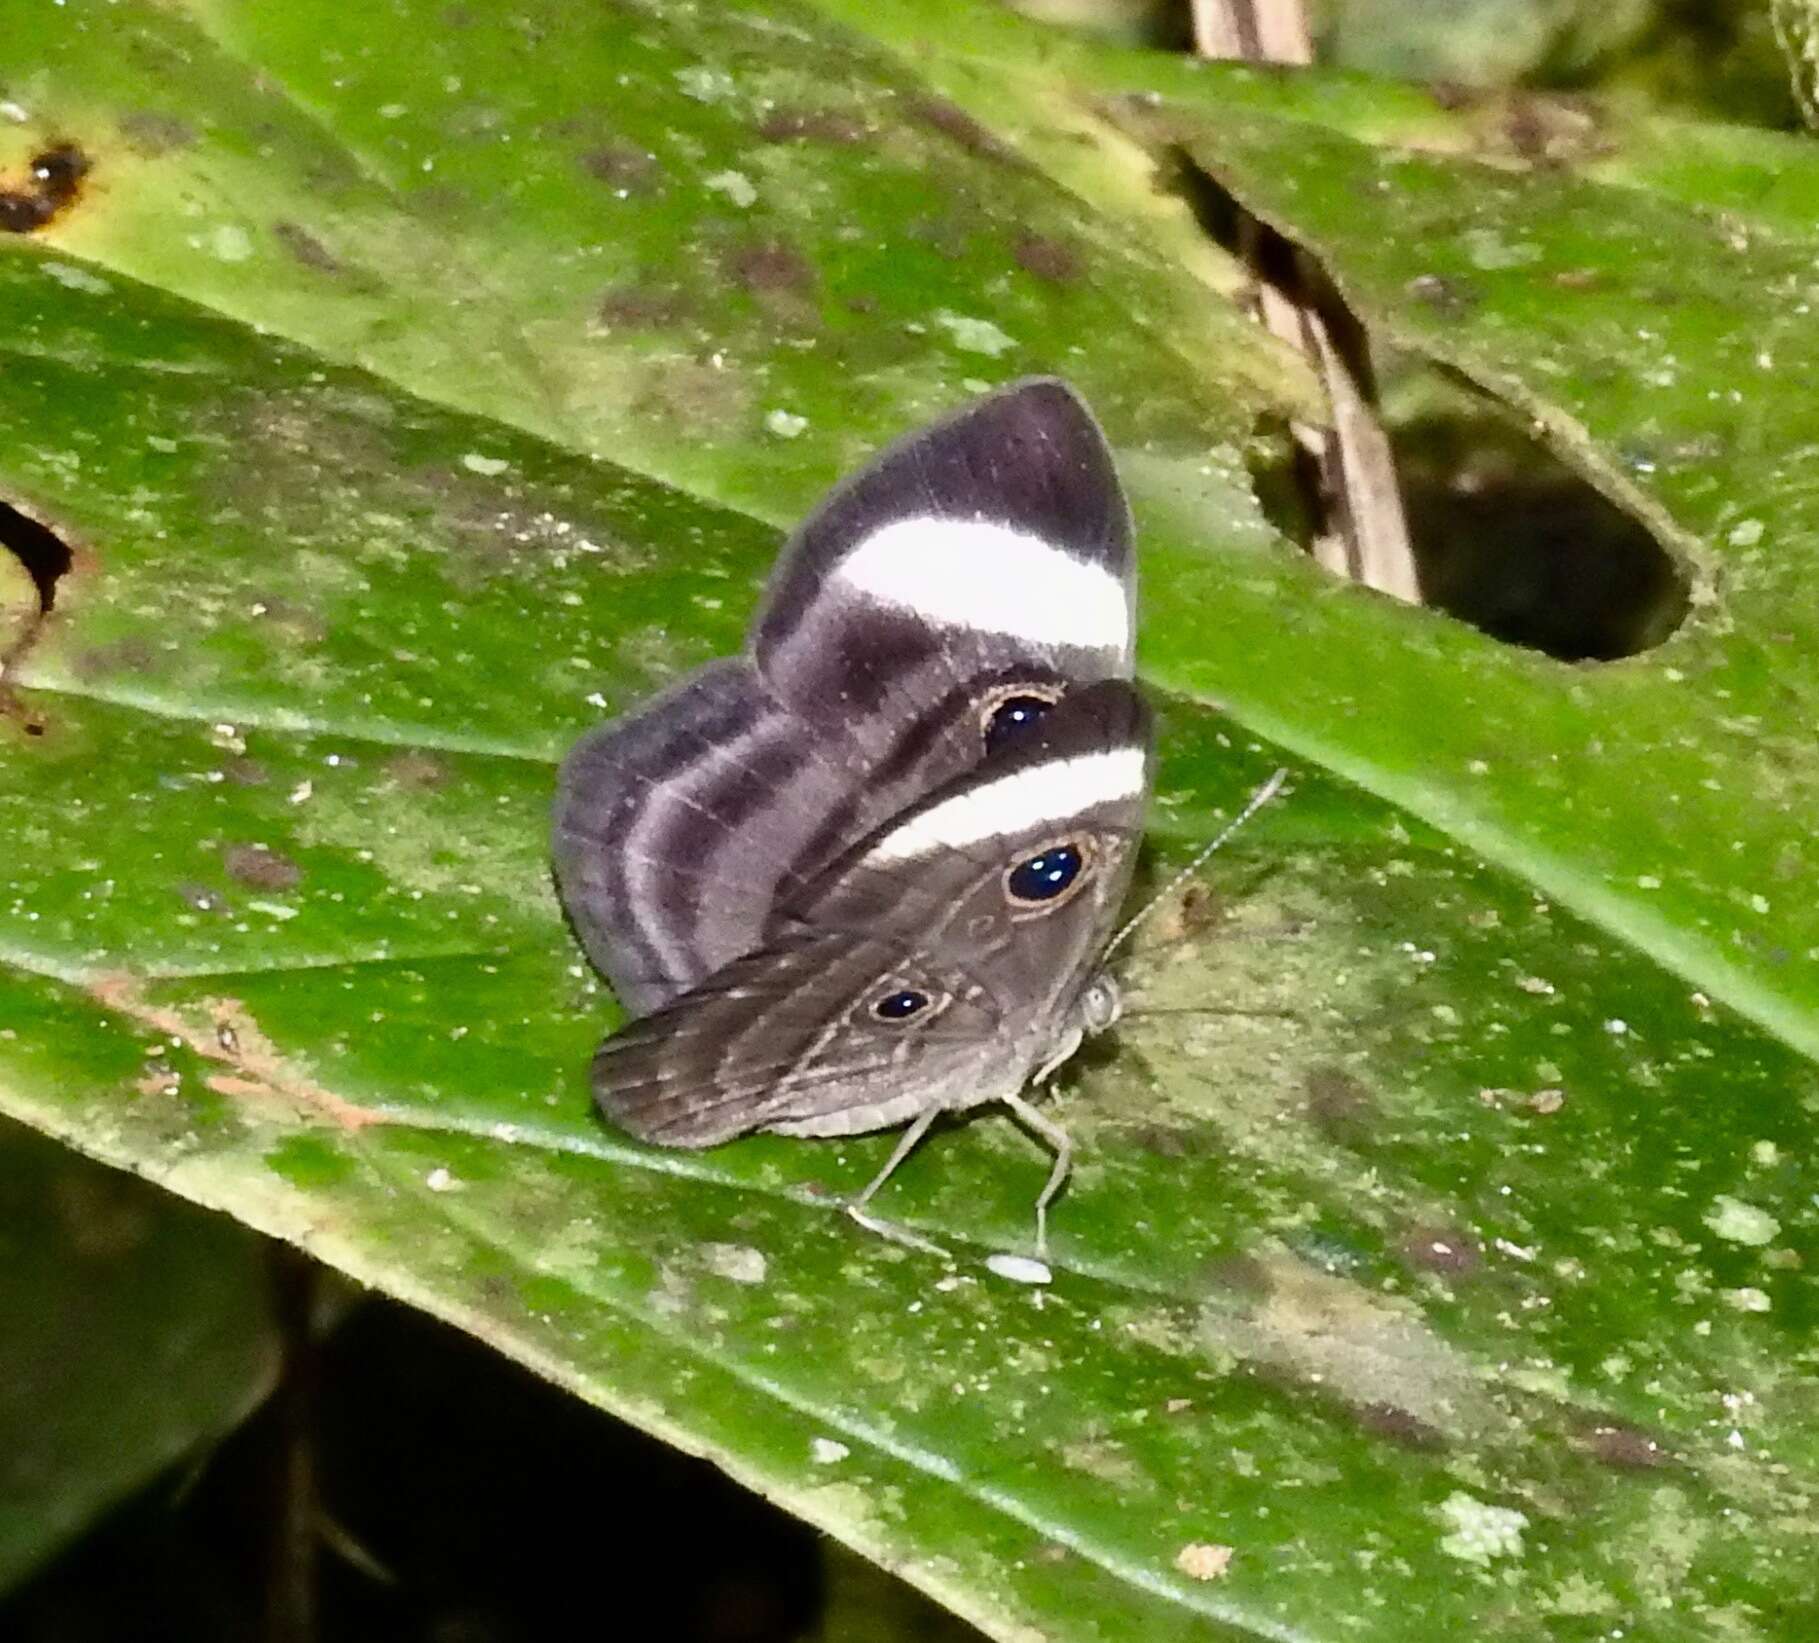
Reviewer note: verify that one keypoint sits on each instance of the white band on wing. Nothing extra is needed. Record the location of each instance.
(1017, 802)
(978, 574)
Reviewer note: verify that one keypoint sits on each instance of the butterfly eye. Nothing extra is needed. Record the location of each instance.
(1044, 877)
(900, 1005)
(1011, 718)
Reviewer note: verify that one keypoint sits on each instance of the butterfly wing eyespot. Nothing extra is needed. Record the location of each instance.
(1012, 711)
(1050, 877)
(901, 1004)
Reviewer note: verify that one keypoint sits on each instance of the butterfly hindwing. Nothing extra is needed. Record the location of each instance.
(791, 1033)
(937, 964)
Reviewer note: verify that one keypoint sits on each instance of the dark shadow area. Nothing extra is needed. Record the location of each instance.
(1510, 539)
(44, 554)
(468, 1502)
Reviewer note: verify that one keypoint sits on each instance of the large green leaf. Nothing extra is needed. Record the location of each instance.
(134, 1329)
(417, 403)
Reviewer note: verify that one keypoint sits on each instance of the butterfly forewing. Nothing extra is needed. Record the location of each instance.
(993, 546)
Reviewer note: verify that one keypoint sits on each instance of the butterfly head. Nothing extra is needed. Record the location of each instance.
(1100, 1003)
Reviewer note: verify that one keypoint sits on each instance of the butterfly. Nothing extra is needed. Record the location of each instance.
(863, 873)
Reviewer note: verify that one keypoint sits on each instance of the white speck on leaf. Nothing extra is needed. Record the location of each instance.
(1488, 249)
(735, 185)
(1201, 1560)
(705, 85)
(1019, 1269)
(738, 1262)
(1746, 533)
(827, 1451)
(785, 424)
(975, 336)
(1739, 1223)
(1480, 1531)
(1746, 1299)
(231, 243)
(488, 466)
(440, 1180)
(72, 278)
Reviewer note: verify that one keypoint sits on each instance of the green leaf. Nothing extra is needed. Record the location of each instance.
(135, 1329)
(414, 405)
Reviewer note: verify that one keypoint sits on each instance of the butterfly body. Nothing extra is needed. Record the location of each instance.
(863, 874)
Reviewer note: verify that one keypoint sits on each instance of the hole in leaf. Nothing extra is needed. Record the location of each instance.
(1503, 534)
(1510, 539)
(43, 553)
(52, 181)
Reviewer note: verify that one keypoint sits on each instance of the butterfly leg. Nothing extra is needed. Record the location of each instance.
(1057, 1138)
(902, 1150)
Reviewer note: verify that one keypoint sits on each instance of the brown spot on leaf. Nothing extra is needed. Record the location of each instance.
(1623, 1445)
(305, 248)
(1443, 1250)
(1340, 1107)
(959, 127)
(244, 772)
(223, 1031)
(150, 133)
(1385, 1420)
(262, 867)
(772, 266)
(416, 769)
(1047, 259)
(52, 183)
(816, 125)
(641, 306)
(1239, 1275)
(623, 166)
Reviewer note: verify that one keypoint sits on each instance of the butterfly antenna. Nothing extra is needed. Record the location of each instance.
(1256, 802)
